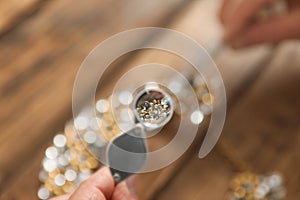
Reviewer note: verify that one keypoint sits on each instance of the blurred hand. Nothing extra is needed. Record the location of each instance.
(242, 27)
(100, 186)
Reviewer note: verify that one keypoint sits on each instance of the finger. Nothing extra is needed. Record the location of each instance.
(131, 184)
(99, 186)
(62, 197)
(225, 10)
(241, 17)
(122, 192)
(273, 30)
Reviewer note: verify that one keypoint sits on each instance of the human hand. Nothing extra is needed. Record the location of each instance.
(100, 186)
(242, 28)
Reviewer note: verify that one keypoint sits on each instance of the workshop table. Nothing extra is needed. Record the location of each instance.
(43, 43)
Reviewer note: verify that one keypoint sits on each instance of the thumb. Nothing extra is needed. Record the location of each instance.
(99, 186)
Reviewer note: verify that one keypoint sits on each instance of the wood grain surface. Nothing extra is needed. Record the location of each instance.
(262, 128)
(40, 57)
(14, 12)
(49, 49)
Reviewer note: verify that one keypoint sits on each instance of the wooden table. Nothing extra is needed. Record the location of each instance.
(42, 44)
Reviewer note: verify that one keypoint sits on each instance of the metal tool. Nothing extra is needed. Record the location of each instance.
(126, 153)
(153, 108)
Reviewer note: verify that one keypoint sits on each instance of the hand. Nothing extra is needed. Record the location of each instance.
(242, 28)
(100, 186)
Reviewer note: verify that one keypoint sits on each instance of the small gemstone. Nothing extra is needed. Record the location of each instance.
(153, 111)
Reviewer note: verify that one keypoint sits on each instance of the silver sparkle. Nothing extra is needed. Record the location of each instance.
(62, 160)
(95, 123)
(100, 142)
(205, 109)
(49, 165)
(81, 123)
(90, 137)
(43, 193)
(102, 106)
(125, 97)
(153, 106)
(67, 155)
(70, 175)
(274, 180)
(175, 87)
(199, 82)
(51, 152)
(43, 176)
(197, 117)
(60, 140)
(59, 180)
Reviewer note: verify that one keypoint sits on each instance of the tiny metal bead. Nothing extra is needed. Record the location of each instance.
(102, 106)
(259, 193)
(208, 99)
(54, 173)
(175, 87)
(275, 180)
(81, 123)
(43, 193)
(51, 152)
(59, 180)
(70, 174)
(100, 142)
(49, 165)
(69, 187)
(60, 140)
(49, 185)
(95, 123)
(197, 117)
(117, 177)
(90, 137)
(43, 175)
(205, 109)
(125, 97)
(198, 82)
(62, 160)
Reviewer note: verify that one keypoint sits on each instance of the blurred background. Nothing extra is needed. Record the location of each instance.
(43, 43)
